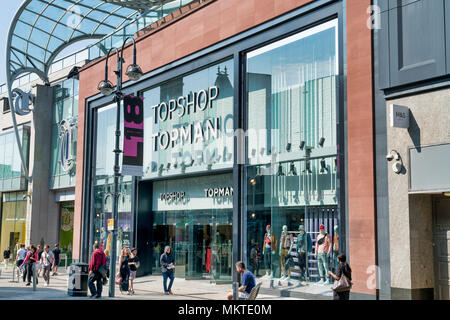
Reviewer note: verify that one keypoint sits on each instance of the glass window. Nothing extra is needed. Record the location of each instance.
(189, 123)
(14, 211)
(197, 224)
(292, 168)
(65, 108)
(104, 182)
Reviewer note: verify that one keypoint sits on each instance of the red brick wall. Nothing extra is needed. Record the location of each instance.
(361, 194)
(230, 17)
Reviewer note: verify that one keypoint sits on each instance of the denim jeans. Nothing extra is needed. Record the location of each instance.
(268, 259)
(95, 277)
(322, 261)
(169, 275)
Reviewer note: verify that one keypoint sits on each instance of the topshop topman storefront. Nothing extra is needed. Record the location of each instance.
(244, 146)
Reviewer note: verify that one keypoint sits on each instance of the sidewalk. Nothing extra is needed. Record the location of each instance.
(146, 288)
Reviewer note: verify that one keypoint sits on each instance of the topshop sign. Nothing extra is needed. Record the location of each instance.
(190, 104)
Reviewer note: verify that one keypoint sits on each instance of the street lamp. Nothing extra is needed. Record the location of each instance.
(134, 72)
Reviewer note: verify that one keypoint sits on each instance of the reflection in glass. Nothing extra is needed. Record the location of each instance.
(292, 168)
(184, 156)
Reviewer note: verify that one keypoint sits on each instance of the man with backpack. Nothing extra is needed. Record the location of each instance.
(98, 259)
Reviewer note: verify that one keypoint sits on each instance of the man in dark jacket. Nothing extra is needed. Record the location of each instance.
(167, 267)
(98, 258)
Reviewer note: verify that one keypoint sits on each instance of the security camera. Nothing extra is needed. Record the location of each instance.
(394, 155)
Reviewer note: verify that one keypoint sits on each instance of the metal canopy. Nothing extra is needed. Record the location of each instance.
(41, 29)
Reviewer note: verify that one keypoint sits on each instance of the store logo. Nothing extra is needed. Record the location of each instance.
(172, 196)
(218, 192)
(67, 135)
(66, 220)
(188, 105)
(22, 102)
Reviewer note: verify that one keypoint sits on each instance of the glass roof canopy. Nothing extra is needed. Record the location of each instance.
(41, 29)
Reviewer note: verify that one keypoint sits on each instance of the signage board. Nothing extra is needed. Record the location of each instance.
(399, 116)
(133, 143)
(110, 224)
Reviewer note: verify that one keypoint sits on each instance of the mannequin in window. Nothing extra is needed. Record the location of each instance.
(335, 247)
(103, 237)
(285, 244)
(304, 247)
(269, 248)
(323, 249)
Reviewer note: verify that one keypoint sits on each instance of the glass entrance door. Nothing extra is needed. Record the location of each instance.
(200, 240)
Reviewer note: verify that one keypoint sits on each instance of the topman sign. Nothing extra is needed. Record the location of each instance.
(190, 104)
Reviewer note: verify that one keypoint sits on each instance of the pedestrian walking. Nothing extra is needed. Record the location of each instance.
(167, 267)
(6, 256)
(30, 262)
(20, 258)
(40, 249)
(134, 265)
(124, 269)
(47, 262)
(56, 252)
(343, 269)
(98, 258)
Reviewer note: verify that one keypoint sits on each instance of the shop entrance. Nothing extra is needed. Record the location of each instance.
(441, 240)
(200, 240)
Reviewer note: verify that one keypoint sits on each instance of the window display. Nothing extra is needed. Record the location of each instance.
(189, 123)
(292, 168)
(104, 183)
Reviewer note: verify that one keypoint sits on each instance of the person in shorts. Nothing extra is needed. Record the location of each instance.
(6, 257)
(134, 264)
(56, 252)
(248, 282)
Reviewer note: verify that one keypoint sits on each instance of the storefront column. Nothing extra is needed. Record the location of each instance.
(238, 169)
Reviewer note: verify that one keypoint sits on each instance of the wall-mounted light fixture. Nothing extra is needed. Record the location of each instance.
(323, 165)
(292, 169)
(302, 144)
(307, 166)
(280, 170)
(321, 141)
(288, 147)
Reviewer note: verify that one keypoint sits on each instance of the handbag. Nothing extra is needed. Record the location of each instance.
(118, 279)
(103, 271)
(343, 284)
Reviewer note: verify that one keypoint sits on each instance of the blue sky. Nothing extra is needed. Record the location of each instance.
(9, 8)
(7, 12)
